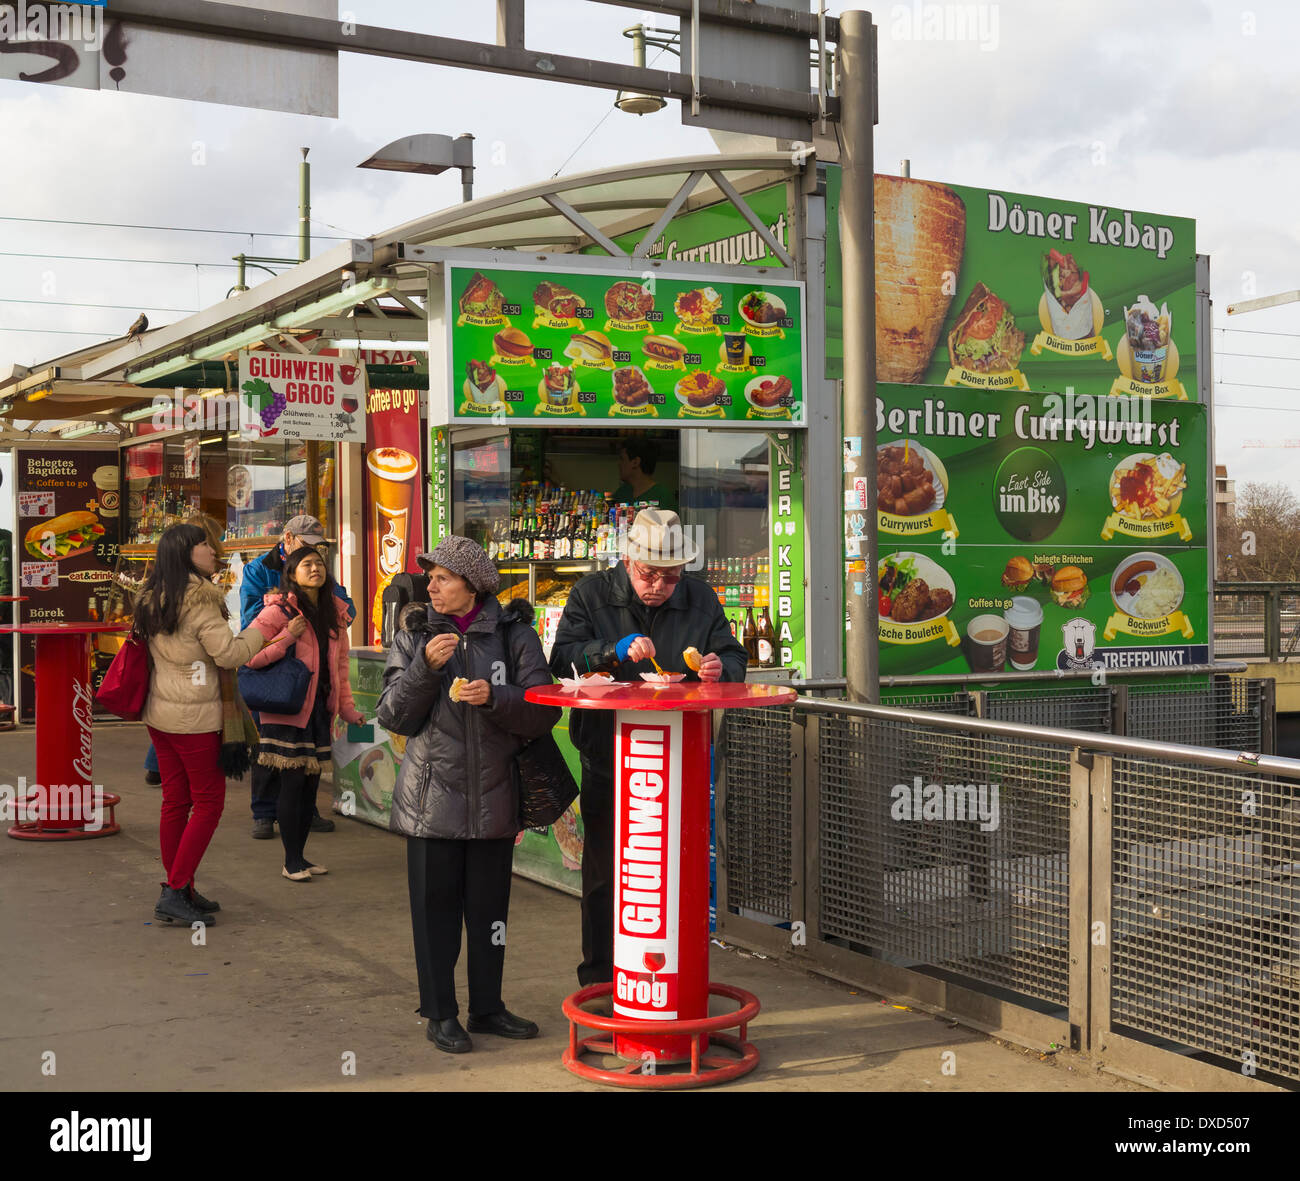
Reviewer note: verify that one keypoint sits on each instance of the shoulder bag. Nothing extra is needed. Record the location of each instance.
(279, 688)
(546, 785)
(125, 687)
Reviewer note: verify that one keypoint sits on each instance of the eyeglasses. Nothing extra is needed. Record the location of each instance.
(669, 577)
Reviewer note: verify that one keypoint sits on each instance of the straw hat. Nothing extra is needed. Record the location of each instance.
(657, 539)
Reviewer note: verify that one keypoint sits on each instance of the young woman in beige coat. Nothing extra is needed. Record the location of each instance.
(182, 616)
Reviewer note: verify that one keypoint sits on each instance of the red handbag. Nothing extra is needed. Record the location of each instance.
(125, 686)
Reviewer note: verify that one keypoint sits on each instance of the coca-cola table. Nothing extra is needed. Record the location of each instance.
(661, 986)
(67, 803)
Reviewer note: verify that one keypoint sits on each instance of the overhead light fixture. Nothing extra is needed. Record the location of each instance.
(147, 411)
(161, 369)
(37, 395)
(635, 102)
(412, 346)
(430, 155)
(82, 429)
(232, 344)
(349, 297)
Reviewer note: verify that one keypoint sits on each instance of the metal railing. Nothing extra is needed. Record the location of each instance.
(1120, 895)
(1258, 620)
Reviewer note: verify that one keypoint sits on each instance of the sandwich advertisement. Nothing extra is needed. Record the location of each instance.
(66, 535)
(536, 346)
(1020, 531)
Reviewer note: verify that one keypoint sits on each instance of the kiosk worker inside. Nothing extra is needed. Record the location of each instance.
(637, 459)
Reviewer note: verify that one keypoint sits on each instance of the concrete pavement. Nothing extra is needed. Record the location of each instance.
(297, 984)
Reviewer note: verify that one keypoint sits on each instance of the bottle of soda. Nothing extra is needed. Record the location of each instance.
(766, 641)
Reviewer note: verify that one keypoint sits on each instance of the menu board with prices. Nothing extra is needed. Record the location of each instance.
(1019, 532)
(67, 541)
(531, 347)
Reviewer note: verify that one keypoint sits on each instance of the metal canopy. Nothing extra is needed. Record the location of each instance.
(560, 215)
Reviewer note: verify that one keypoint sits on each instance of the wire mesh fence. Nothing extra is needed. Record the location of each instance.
(946, 850)
(756, 746)
(1084, 707)
(1227, 713)
(1205, 912)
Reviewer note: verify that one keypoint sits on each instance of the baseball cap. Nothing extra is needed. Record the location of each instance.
(309, 529)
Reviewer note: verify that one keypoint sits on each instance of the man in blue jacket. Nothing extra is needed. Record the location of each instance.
(261, 576)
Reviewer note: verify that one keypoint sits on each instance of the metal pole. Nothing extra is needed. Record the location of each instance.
(858, 251)
(304, 208)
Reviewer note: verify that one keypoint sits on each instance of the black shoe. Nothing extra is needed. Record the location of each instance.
(200, 903)
(320, 824)
(174, 906)
(263, 830)
(153, 778)
(449, 1035)
(503, 1024)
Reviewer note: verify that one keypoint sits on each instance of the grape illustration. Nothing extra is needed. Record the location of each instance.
(269, 403)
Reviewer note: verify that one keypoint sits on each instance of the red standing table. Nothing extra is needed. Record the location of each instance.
(661, 985)
(68, 804)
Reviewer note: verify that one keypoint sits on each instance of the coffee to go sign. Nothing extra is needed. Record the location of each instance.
(296, 396)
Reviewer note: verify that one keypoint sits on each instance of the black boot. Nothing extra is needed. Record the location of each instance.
(199, 902)
(448, 1035)
(174, 906)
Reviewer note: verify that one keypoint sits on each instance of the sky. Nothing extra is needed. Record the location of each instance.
(1185, 108)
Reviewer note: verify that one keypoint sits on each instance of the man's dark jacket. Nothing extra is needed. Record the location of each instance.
(602, 609)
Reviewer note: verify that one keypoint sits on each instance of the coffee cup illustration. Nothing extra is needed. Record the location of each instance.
(348, 374)
(107, 492)
(391, 472)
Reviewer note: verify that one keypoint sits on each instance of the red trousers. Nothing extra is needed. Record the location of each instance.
(194, 793)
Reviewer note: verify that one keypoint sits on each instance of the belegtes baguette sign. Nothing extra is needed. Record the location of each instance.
(294, 396)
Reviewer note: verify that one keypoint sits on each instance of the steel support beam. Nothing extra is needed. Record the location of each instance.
(670, 211)
(858, 250)
(742, 14)
(756, 223)
(606, 243)
(229, 21)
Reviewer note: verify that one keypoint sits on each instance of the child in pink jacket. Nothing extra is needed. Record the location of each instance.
(296, 745)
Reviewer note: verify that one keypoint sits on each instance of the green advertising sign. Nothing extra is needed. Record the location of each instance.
(1018, 531)
(787, 550)
(997, 290)
(533, 347)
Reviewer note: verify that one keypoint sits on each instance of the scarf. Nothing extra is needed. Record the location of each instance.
(239, 735)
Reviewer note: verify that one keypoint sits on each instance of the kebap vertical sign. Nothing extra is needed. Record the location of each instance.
(787, 563)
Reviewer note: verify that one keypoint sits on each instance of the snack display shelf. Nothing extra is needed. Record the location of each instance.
(139, 551)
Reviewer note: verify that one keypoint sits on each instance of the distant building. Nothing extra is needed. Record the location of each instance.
(1225, 513)
(1225, 496)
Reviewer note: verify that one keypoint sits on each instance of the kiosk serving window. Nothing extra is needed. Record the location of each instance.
(551, 505)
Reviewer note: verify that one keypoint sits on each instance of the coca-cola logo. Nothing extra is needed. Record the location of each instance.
(82, 706)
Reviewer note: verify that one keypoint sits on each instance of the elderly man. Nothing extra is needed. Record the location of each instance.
(614, 622)
(261, 576)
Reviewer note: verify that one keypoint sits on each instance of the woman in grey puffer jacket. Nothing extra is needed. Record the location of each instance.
(454, 684)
